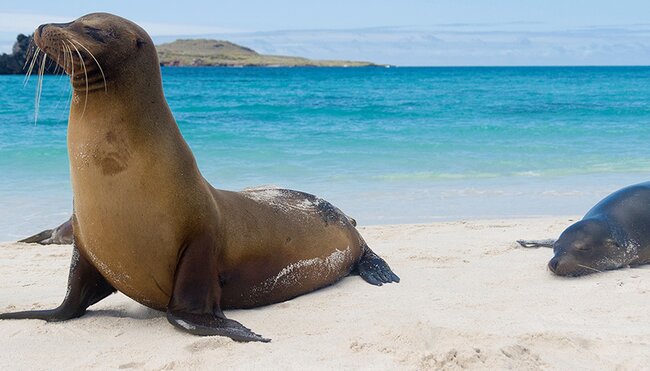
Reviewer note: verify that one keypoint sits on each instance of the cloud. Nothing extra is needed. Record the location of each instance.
(20, 22)
(12, 24)
(170, 29)
(476, 44)
(512, 43)
(26, 23)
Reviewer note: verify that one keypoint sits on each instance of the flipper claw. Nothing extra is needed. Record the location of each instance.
(375, 270)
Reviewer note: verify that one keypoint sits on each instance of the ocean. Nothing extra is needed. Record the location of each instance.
(386, 145)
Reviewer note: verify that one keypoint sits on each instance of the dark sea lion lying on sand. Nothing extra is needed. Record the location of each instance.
(613, 234)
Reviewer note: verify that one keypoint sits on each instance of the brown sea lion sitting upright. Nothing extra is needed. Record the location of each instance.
(146, 222)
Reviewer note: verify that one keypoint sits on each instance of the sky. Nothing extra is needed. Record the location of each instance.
(405, 32)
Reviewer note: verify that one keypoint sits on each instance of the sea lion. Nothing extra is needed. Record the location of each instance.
(613, 234)
(61, 235)
(146, 222)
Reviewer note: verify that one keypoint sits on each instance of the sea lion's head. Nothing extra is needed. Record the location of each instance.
(586, 247)
(98, 50)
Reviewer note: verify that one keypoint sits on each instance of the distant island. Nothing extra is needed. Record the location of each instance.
(205, 52)
(192, 52)
(12, 64)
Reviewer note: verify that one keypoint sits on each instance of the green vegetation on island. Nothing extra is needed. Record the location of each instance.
(204, 52)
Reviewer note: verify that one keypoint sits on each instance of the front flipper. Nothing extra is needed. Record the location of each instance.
(533, 244)
(194, 305)
(374, 269)
(86, 286)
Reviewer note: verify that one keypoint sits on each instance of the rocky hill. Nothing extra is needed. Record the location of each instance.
(205, 52)
(13, 63)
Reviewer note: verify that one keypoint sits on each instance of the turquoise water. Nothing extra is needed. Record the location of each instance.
(398, 145)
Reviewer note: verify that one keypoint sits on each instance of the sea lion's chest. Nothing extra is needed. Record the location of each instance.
(127, 225)
(138, 264)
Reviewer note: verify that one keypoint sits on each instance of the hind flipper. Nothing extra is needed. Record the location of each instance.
(533, 244)
(39, 237)
(374, 269)
(61, 235)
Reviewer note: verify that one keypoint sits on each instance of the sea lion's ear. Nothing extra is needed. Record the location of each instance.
(140, 42)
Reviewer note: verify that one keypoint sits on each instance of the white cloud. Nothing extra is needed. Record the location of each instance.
(26, 23)
(11, 24)
(444, 44)
(167, 29)
(461, 45)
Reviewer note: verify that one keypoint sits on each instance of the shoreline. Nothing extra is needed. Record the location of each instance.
(469, 298)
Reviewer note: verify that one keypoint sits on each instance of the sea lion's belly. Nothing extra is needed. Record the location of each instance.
(279, 249)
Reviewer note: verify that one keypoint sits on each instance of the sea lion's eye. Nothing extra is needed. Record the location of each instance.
(583, 247)
(96, 33)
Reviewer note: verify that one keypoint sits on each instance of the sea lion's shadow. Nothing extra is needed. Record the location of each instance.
(141, 313)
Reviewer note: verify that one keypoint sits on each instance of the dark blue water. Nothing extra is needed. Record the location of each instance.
(386, 145)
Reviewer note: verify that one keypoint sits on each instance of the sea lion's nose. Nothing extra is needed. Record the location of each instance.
(552, 265)
(39, 30)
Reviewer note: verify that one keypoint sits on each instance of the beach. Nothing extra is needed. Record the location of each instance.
(477, 126)
(469, 298)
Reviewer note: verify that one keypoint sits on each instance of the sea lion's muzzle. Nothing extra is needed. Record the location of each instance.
(552, 264)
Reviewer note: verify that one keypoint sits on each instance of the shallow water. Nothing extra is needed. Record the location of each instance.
(398, 145)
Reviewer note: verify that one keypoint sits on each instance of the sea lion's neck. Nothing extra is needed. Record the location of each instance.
(126, 119)
(133, 108)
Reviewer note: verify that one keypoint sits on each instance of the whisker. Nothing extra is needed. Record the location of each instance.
(588, 267)
(83, 64)
(101, 70)
(71, 64)
(39, 87)
(31, 66)
(65, 59)
(65, 56)
(57, 68)
(30, 52)
(68, 60)
(49, 63)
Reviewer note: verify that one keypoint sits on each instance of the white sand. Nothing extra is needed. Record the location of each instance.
(469, 298)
